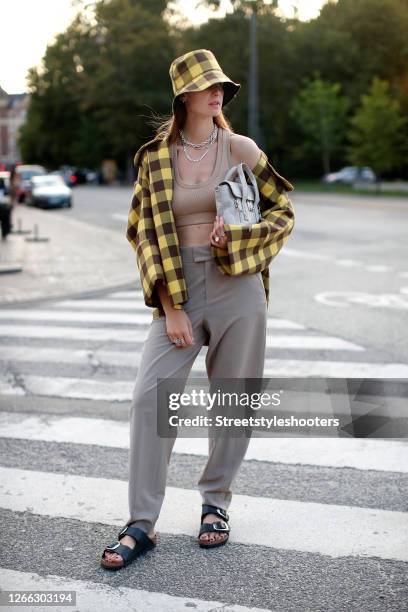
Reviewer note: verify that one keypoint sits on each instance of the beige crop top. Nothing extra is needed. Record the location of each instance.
(193, 204)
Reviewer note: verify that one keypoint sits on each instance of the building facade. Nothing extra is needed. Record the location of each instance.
(13, 112)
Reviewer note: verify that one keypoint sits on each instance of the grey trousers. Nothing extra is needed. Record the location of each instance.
(228, 314)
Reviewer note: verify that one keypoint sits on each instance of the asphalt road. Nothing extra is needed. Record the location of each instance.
(344, 269)
(317, 523)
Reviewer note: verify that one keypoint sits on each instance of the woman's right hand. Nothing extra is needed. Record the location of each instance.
(178, 325)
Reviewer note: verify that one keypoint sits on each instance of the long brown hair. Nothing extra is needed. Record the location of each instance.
(169, 125)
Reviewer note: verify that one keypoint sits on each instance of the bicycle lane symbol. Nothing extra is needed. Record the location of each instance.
(345, 299)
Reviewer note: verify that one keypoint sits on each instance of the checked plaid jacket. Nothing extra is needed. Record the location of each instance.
(152, 231)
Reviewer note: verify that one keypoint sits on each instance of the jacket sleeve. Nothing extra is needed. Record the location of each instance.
(251, 248)
(142, 236)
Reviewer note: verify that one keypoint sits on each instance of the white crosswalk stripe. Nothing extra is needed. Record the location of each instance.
(94, 597)
(108, 317)
(358, 453)
(273, 367)
(70, 339)
(127, 323)
(335, 530)
(126, 295)
(133, 335)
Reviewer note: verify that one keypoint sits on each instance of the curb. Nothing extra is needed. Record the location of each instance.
(71, 296)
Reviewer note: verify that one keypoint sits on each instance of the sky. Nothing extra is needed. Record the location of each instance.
(28, 26)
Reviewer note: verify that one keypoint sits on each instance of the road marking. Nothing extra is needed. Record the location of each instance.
(107, 317)
(94, 357)
(346, 263)
(306, 255)
(119, 217)
(74, 333)
(328, 529)
(135, 335)
(311, 342)
(272, 323)
(273, 367)
(94, 596)
(344, 299)
(69, 315)
(377, 268)
(125, 295)
(128, 304)
(357, 453)
(70, 388)
(334, 369)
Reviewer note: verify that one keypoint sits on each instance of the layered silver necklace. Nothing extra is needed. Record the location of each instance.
(200, 145)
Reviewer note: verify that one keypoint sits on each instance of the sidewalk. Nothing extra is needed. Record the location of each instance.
(78, 257)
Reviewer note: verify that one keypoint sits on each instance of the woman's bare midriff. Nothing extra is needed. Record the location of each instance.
(194, 235)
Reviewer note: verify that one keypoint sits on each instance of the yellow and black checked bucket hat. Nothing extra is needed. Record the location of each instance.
(197, 70)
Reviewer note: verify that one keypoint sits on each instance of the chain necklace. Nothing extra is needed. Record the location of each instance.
(205, 144)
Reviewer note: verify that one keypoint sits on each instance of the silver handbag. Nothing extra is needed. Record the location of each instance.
(236, 200)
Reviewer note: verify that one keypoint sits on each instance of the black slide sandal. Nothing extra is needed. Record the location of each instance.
(143, 544)
(217, 526)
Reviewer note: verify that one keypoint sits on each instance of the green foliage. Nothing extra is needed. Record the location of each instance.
(56, 116)
(99, 79)
(378, 133)
(352, 41)
(107, 72)
(320, 113)
(129, 72)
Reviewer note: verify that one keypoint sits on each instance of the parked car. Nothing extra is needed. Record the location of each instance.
(77, 176)
(24, 174)
(349, 175)
(92, 177)
(49, 191)
(5, 181)
(81, 175)
(68, 175)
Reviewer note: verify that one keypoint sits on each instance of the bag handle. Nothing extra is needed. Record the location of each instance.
(240, 169)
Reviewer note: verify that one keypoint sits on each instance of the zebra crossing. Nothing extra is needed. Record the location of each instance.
(316, 523)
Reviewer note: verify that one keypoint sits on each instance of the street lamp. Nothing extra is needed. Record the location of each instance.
(254, 130)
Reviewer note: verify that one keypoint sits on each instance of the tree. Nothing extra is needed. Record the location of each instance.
(104, 75)
(128, 73)
(58, 126)
(320, 113)
(378, 132)
(89, 99)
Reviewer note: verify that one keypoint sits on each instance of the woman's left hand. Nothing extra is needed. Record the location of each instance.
(218, 237)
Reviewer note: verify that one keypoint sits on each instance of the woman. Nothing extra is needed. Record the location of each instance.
(6, 209)
(207, 292)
